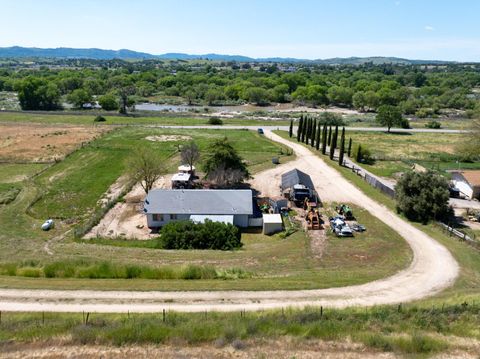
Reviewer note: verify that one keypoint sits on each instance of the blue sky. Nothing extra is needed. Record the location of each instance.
(419, 29)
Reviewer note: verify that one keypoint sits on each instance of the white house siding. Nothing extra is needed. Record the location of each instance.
(166, 219)
(240, 220)
(462, 185)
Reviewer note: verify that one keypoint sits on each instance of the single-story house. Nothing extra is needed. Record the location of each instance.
(272, 223)
(467, 182)
(228, 206)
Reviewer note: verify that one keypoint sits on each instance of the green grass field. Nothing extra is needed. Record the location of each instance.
(396, 152)
(116, 119)
(69, 191)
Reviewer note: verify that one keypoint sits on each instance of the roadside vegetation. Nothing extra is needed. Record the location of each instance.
(405, 330)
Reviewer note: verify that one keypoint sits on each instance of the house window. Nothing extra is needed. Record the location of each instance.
(157, 217)
(173, 217)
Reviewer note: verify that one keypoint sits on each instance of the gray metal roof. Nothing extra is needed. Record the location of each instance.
(295, 176)
(199, 201)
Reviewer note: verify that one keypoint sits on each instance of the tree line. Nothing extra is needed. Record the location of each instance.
(413, 90)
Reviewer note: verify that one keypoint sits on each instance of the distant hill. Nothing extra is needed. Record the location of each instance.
(100, 54)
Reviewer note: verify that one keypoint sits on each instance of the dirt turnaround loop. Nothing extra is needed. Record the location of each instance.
(433, 267)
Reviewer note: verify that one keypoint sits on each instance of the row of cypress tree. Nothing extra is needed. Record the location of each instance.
(320, 135)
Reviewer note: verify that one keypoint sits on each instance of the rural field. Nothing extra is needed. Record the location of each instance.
(293, 188)
(70, 189)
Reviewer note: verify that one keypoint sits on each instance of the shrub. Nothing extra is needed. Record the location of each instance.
(363, 155)
(30, 272)
(215, 121)
(433, 124)
(99, 119)
(59, 270)
(208, 235)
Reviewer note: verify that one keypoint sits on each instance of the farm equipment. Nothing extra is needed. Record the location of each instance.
(313, 219)
(298, 194)
(345, 211)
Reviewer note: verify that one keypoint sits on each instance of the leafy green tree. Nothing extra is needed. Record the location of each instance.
(389, 116)
(223, 165)
(340, 95)
(108, 102)
(38, 94)
(329, 140)
(359, 101)
(422, 196)
(258, 96)
(79, 97)
(317, 95)
(349, 151)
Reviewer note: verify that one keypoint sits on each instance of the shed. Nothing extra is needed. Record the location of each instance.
(295, 177)
(181, 180)
(272, 223)
(467, 182)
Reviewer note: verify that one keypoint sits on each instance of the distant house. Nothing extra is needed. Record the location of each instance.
(467, 182)
(228, 206)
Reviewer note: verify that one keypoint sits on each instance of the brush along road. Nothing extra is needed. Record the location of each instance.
(433, 268)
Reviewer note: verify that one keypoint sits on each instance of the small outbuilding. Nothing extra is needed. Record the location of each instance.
(467, 182)
(272, 223)
(182, 180)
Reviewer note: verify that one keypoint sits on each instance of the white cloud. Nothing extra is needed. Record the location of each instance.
(429, 28)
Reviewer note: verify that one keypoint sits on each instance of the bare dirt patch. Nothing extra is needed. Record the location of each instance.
(38, 143)
(168, 138)
(126, 219)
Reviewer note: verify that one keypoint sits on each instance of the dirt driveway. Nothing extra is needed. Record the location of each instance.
(433, 267)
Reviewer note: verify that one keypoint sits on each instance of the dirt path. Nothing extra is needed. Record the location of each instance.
(433, 268)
